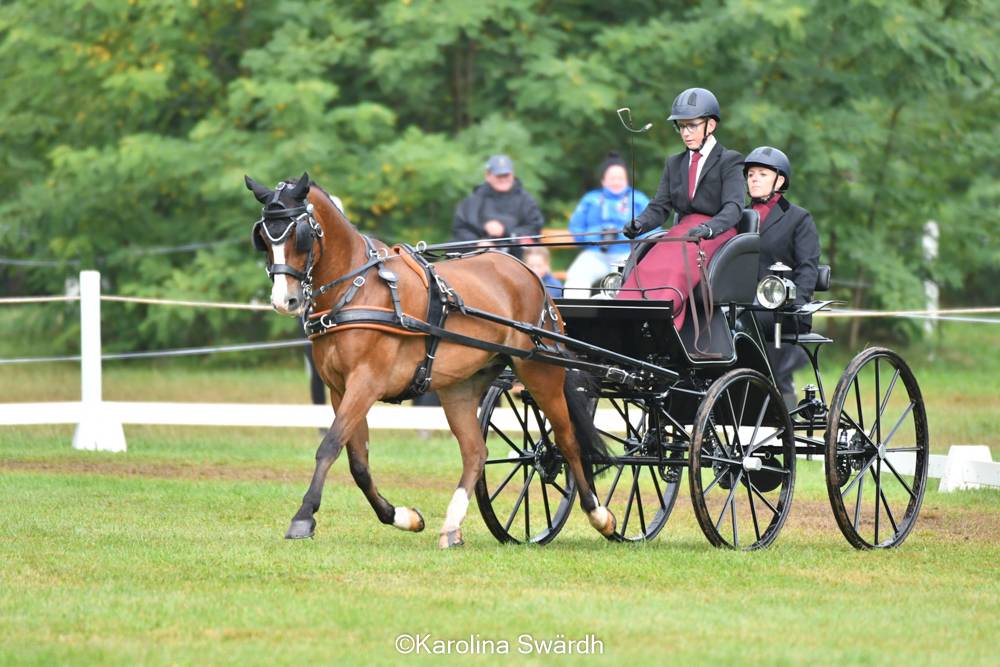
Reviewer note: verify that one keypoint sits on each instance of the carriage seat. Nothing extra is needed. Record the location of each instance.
(732, 271)
(732, 276)
(823, 278)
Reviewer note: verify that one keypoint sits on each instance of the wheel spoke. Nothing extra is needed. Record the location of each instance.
(729, 499)
(719, 459)
(882, 407)
(743, 406)
(503, 436)
(753, 510)
(878, 489)
(732, 514)
(522, 459)
(878, 422)
(715, 481)
(905, 486)
(638, 494)
(527, 506)
(780, 471)
(857, 502)
(861, 473)
(613, 436)
(757, 493)
(517, 505)
(857, 397)
(888, 512)
(656, 486)
(500, 488)
(545, 501)
(564, 492)
(614, 485)
(628, 505)
(736, 423)
(898, 423)
(517, 412)
(753, 448)
(760, 417)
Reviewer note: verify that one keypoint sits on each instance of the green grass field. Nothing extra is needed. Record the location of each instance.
(173, 552)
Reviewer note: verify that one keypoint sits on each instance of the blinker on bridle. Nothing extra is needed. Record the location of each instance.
(299, 218)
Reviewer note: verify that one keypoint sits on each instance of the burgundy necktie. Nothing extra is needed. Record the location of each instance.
(693, 174)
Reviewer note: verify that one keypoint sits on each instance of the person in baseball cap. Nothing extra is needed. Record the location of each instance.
(499, 208)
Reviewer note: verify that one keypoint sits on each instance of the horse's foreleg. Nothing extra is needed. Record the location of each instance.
(404, 518)
(459, 403)
(350, 414)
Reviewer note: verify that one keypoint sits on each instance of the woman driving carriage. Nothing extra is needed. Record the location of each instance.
(787, 235)
(704, 186)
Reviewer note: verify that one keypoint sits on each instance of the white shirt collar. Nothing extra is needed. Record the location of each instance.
(707, 148)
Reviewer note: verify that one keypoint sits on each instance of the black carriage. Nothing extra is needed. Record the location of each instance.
(665, 404)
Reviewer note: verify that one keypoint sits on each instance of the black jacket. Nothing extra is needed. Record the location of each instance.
(515, 209)
(719, 193)
(788, 235)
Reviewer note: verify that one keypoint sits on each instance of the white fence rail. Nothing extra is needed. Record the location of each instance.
(99, 422)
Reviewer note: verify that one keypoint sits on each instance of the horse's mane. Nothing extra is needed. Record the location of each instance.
(329, 197)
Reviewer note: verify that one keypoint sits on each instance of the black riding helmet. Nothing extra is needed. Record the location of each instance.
(695, 103)
(772, 158)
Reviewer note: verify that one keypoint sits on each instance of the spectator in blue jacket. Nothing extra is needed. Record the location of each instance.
(604, 210)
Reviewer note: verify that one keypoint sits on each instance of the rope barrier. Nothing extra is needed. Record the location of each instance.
(36, 299)
(176, 352)
(196, 304)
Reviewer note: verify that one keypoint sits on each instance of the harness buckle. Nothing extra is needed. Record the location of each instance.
(358, 281)
(421, 246)
(443, 286)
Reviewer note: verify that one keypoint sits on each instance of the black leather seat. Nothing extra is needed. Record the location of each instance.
(732, 271)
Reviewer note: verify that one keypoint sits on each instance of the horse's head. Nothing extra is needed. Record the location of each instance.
(287, 232)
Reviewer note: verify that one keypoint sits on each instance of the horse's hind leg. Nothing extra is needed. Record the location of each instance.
(460, 402)
(547, 387)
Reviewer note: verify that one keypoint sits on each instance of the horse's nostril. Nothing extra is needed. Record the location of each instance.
(293, 303)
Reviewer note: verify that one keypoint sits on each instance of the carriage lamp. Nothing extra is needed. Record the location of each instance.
(610, 284)
(774, 291)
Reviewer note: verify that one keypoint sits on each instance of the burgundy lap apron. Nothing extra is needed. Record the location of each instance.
(662, 269)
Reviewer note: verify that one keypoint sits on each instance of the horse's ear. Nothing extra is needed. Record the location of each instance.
(261, 192)
(301, 189)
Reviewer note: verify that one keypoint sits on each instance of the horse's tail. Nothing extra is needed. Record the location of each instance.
(578, 389)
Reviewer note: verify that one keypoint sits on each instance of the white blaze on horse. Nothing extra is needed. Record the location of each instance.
(386, 325)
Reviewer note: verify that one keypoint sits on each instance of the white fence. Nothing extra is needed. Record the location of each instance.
(99, 422)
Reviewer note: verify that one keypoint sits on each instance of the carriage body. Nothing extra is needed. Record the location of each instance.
(665, 404)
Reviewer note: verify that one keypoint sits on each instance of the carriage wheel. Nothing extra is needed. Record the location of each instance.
(526, 491)
(641, 496)
(742, 462)
(877, 432)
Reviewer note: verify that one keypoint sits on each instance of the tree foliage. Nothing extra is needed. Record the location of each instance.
(129, 125)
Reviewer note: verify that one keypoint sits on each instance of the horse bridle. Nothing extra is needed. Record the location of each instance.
(307, 232)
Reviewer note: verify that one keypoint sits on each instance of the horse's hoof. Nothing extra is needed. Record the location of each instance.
(420, 525)
(301, 529)
(408, 519)
(451, 539)
(604, 522)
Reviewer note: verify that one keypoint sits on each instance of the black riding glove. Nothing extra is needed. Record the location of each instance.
(700, 232)
(632, 229)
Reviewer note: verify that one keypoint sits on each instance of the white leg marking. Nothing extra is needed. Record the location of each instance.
(402, 519)
(599, 516)
(456, 511)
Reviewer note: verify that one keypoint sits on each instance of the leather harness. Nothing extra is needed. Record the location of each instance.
(442, 300)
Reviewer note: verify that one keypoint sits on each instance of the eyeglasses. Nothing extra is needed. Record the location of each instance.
(688, 127)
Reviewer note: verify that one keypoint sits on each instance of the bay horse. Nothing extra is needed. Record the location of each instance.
(352, 289)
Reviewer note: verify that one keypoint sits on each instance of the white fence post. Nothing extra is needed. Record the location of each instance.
(98, 429)
(931, 235)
